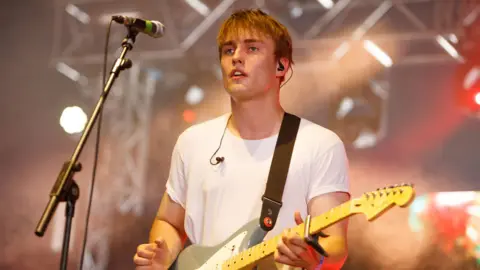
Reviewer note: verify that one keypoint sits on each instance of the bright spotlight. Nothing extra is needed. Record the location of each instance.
(477, 98)
(199, 6)
(194, 95)
(448, 47)
(296, 12)
(468, 85)
(328, 4)
(77, 13)
(73, 120)
(378, 53)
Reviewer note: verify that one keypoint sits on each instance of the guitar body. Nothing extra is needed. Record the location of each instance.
(203, 258)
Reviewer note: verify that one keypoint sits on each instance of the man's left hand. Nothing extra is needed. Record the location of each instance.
(294, 251)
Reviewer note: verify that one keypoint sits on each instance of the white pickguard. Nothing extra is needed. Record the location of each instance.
(230, 249)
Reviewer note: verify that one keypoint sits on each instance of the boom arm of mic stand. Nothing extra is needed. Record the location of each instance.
(64, 180)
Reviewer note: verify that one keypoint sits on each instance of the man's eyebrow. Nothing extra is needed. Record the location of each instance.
(253, 41)
(248, 41)
(227, 43)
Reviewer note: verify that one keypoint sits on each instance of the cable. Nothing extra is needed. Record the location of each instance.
(220, 159)
(291, 74)
(97, 148)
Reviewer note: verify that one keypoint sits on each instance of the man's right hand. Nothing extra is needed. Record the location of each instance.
(152, 256)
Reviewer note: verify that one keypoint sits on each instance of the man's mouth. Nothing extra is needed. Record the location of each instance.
(237, 74)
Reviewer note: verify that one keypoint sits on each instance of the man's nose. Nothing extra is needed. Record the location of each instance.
(238, 56)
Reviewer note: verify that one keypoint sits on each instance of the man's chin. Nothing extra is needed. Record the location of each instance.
(237, 90)
(241, 94)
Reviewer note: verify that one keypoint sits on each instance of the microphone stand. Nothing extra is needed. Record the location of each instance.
(65, 188)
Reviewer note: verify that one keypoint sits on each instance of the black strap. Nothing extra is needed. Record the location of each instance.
(272, 199)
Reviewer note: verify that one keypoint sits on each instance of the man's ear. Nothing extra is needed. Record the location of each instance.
(282, 67)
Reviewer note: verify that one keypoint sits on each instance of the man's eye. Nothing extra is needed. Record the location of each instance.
(228, 51)
(253, 49)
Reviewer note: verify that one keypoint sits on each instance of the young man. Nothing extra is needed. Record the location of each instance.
(207, 203)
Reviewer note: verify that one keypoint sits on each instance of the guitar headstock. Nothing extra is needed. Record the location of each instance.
(374, 203)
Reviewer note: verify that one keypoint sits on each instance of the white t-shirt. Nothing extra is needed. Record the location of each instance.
(220, 199)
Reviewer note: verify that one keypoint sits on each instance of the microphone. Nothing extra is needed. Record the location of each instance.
(154, 29)
(218, 159)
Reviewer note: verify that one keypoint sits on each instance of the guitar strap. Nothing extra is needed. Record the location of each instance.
(272, 198)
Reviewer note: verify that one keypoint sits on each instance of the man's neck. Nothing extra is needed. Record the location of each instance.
(256, 119)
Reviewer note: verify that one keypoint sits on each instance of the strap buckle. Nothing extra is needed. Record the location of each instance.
(270, 210)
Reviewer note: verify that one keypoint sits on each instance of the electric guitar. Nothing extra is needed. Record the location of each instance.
(245, 248)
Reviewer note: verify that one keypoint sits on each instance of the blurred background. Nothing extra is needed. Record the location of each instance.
(398, 80)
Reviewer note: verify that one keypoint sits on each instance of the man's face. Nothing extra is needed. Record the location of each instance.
(248, 65)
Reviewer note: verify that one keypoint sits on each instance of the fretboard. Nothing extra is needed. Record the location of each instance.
(249, 257)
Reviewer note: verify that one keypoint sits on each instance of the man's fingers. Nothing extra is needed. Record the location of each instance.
(146, 254)
(150, 247)
(139, 261)
(298, 246)
(283, 259)
(284, 250)
(298, 218)
(298, 241)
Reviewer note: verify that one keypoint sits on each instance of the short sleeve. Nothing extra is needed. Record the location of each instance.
(329, 171)
(176, 187)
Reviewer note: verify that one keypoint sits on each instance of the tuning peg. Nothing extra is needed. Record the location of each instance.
(366, 195)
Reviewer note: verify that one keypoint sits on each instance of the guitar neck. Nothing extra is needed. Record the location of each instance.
(248, 258)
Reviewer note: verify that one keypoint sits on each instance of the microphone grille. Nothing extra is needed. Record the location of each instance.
(158, 29)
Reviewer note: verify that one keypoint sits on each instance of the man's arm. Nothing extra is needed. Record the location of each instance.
(336, 244)
(169, 225)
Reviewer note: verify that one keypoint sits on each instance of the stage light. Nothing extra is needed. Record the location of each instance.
(71, 73)
(194, 95)
(341, 50)
(189, 116)
(472, 233)
(77, 13)
(468, 88)
(454, 198)
(328, 4)
(476, 98)
(378, 53)
(296, 10)
(199, 6)
(453, 38)
(73, 120)
(448, 47)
